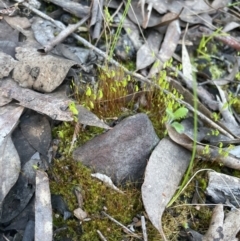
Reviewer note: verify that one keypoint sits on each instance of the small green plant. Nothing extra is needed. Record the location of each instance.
(206, 150)
(216, 116)
(176, 115)
(237, 76)
(116, 37)
(203, 45)
(74, 110)
(232, 100)
(213, 133)
(224, 151)
(207, 60)
(113, 93)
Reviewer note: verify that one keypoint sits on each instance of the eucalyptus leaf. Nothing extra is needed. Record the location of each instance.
(168, 159)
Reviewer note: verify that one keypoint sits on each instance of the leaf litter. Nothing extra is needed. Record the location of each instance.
(33, 80)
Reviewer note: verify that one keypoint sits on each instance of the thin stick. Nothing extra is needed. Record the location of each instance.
(63, 34)
(101, 236)
(121, 225)
(144, 230)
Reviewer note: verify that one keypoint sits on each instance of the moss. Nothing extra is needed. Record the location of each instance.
(64, 132)
(116, 94)
(66, 175)
(236, 105)
(50, 7)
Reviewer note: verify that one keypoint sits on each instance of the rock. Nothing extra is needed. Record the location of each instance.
(80, 214)
(121, 153)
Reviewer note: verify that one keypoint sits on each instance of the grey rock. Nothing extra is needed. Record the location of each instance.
(121, 153)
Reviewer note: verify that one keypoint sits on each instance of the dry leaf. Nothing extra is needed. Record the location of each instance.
(186, 62)
(23, 190)
(132, 31)
(223, 229)
(223, 189)
(22, 22)
(10, 166)
(230, 26)
(9, 84)
(36, 129)
(160, 6)
(167, 160)
(220, 3)
(146, 55)
(7, 63)
(168, 47)
(77, 9)
(48, 104)
(40, 72)
(43, 208)
(9, 116)
(135, 14)
(86, 117)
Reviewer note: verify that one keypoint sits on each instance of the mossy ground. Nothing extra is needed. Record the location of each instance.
(69, 174)
(113, 97)
(109, 101)
(96, 196)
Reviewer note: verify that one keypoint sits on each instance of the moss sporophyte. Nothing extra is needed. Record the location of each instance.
(114, 94)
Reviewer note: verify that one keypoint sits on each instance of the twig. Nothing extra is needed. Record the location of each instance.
(5, 238)
(121, 225)
(101, 236)
(144, 230)
(65, 32)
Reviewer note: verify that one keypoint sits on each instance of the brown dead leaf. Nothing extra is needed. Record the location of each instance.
(167, 160)
(86, 117)
(9, 84)
(76, 8)
(10, 166)
(48, 104)
(36, 129)
(160, 6)
(135, 14)
(22, 22)
(9, 116)
(43, 208)
(168, 47)
(40, 72)
(146, 55)
(7, 63)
